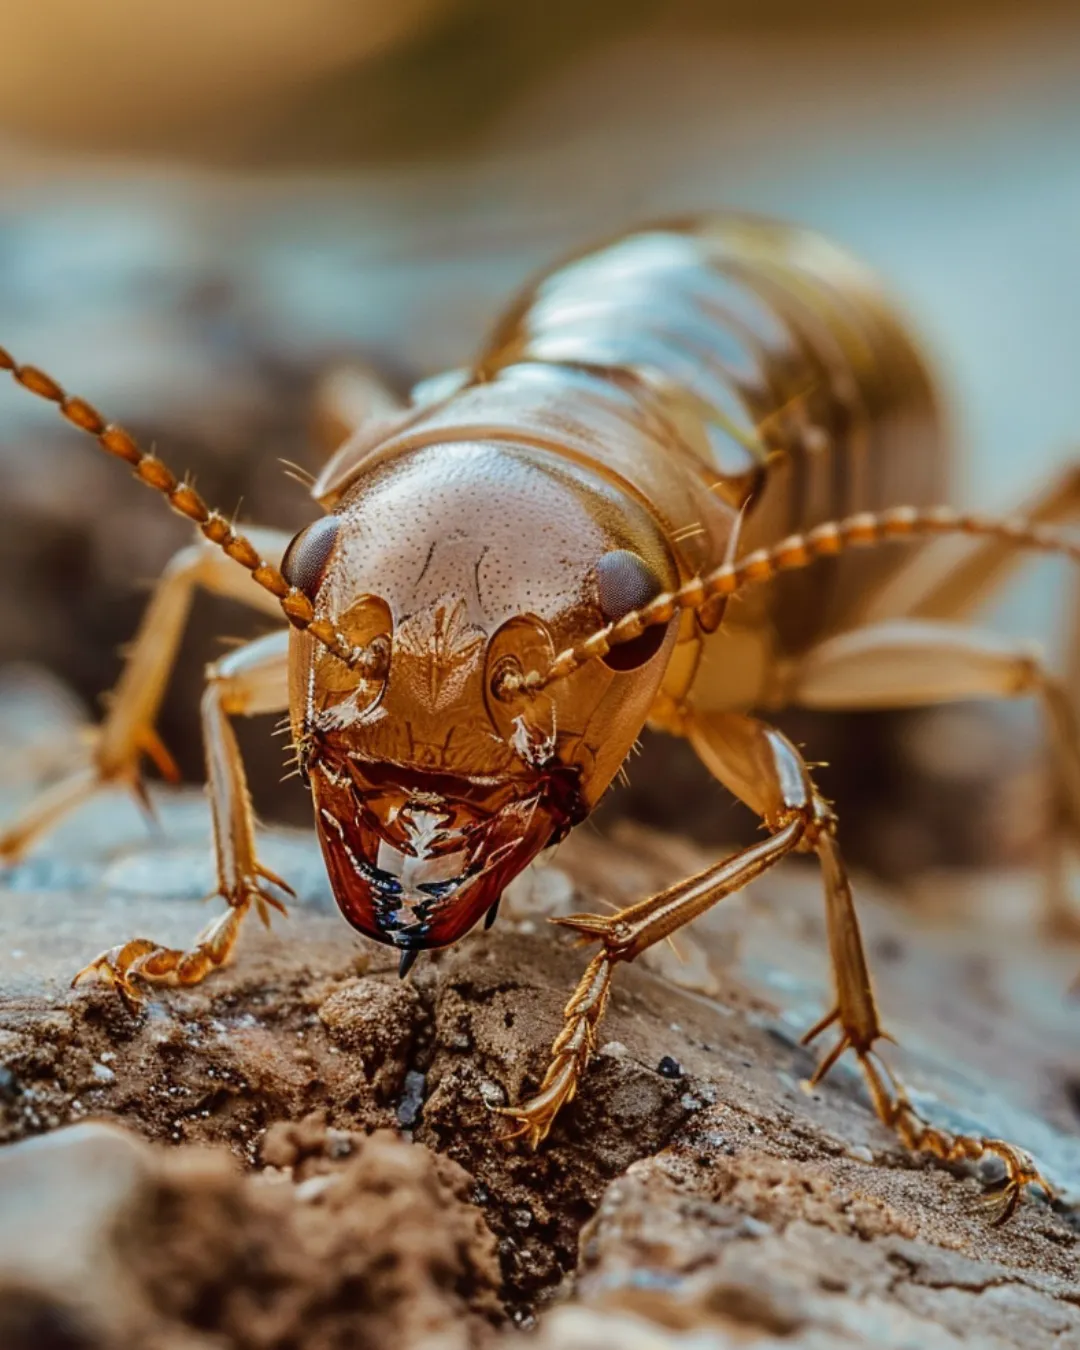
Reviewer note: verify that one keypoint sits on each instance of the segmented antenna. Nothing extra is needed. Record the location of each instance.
(183, 499)
(864, 530)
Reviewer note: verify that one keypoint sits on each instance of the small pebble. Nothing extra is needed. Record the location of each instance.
(613, 1049)
(492, 1093)
(339, 1144)
(669, 1068)
(412, 1099)
(991, 1169)
(313, 1187)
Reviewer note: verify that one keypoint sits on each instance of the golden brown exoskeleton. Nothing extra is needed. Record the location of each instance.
(544, 553)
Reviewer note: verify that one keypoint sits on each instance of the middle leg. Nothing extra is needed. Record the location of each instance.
(127, 732)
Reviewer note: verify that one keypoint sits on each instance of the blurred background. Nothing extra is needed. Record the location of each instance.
(204, 206)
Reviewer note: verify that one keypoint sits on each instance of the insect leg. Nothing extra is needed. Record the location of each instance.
(250, 681)
(356, 410)
(913, 662)
(765, 770)
(1065, 824)
(623, 936)
(950, 578)
(127, 732)
(948, 581)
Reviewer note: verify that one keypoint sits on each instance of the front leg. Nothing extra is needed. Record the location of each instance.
(761, 767)
(251, 680)
(797, 820)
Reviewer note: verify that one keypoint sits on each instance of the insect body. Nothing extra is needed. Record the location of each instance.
(540, 555)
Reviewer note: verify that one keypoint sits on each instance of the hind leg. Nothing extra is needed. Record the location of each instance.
(949, 578)
(348, 401)
(356, 409)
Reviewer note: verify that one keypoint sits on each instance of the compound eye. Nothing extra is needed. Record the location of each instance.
(304, 563)
(627, 582)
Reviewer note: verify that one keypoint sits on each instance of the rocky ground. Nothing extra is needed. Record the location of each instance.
(301, 1154)
(355, 1191)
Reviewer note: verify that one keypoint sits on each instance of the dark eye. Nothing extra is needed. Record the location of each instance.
(306, 557)
(627, 582)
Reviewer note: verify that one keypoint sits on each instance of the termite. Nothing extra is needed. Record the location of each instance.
(593, 528)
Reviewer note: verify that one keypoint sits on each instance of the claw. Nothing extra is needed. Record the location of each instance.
(140, 961)
(537, 1114)
(273, 877)
(116, 967)
(1022, 1174)
(536, 1131)
(591, 926)
(894, 1109)
(1001, 1204)
(151, 744)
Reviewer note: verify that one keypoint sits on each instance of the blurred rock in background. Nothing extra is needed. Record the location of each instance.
(199, 215)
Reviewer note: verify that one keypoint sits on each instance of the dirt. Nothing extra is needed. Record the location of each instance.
(301, 1153)
(344, 1239)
